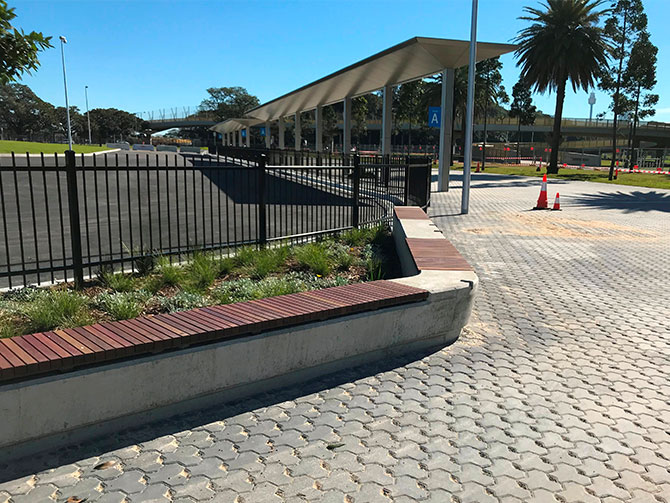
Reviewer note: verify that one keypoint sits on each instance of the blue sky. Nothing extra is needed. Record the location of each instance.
(150, 55)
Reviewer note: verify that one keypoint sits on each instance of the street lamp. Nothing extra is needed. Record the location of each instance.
(63, 41)
(467, 154)
(88, 118)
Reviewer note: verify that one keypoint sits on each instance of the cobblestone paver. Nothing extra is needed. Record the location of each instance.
(558, 390)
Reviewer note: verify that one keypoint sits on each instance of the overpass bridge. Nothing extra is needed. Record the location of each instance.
(653, 131)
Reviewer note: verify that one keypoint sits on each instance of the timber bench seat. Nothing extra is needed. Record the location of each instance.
(63, 350)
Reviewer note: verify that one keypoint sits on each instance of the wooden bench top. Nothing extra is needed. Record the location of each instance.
(62, 350)
(436, 255)
(431, 254)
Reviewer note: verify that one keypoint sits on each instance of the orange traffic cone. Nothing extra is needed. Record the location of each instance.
(542, 203)
(557, 203)
(477, 170)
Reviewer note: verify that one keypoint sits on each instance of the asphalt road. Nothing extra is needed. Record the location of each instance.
(178, 203)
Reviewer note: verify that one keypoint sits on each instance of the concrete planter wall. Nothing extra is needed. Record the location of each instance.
(44, 412)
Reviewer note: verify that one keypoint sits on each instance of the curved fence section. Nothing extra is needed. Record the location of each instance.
(68, 217)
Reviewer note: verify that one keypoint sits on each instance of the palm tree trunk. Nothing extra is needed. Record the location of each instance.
(556, 133)
(616, 95)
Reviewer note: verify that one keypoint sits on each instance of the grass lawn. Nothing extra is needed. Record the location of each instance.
(21, 147)
(205, 279)
(636, 179)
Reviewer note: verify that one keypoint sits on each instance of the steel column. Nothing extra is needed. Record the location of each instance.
(447, 115)
(387, 114)
(297, 133)
(282, 130)
(318, 113)
(346, 143)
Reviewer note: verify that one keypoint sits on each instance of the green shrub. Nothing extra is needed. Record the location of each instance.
(123, 306)
(202, 271)
(169, 274)
(246, 256)
(268, 261)
(341, 254)
(56, 309)
(183, 301)
(118, 282)
(9, 326)
(374, 269)
(364, 235)
(224, 265)
(314, 257)
(244, 289)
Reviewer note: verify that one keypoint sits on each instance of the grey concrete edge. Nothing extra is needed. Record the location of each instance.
(98, 400)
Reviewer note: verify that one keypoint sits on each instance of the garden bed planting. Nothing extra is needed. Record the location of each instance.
(160, 285)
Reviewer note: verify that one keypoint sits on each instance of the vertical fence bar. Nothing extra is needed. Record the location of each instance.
(4, 228)
(356, 194)
(262, 217)
(406, 191)
(73, 207)
(19, 223)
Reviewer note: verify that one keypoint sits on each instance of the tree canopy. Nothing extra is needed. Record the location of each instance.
(228, 102)
(564, 42)
(19, 50)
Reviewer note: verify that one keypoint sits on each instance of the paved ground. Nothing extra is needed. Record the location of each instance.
(558, 390)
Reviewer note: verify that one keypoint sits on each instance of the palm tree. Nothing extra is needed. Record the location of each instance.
(563, 42)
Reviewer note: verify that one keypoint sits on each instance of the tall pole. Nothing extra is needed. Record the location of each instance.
(88, 118)
(63, 41)
(467, 153)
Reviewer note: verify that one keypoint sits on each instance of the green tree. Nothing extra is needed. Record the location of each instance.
(110, 123)
(409, 104)
(563, 42)
(522, 108)
(77, 122)
(330, 129)
(639, 78)
(489, 93)
(359, 114)
(627, 22)
(23, 112)
(18, 50)
(228, 102)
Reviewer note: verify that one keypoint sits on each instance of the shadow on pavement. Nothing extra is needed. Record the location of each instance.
(487, 181)
(11, 469)
(628, 201)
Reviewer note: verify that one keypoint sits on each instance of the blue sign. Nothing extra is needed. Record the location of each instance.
(244, 133)
(434, 117)
(262, 131)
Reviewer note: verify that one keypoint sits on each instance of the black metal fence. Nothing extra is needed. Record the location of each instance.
(66, 217)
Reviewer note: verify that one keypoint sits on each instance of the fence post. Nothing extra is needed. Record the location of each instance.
(357, 187)
(407, 159)
(73, 209)
(262, 217)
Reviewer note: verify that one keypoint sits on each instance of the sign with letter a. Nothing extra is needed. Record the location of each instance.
(434, 117)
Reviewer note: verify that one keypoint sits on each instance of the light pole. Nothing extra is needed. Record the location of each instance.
(88, 118)
(63, 41)
(467, 153)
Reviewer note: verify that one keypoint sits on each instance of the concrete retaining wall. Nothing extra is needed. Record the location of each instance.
(80, 404)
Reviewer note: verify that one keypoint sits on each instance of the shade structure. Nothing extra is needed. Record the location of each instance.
(413, 59)
(230, 125)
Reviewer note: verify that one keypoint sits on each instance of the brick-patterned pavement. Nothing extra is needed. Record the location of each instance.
(558, 390)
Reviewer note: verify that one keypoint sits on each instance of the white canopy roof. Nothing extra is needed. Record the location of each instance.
(416, 58)
(230, 125)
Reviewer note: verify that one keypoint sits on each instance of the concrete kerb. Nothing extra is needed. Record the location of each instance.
(52, 411)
